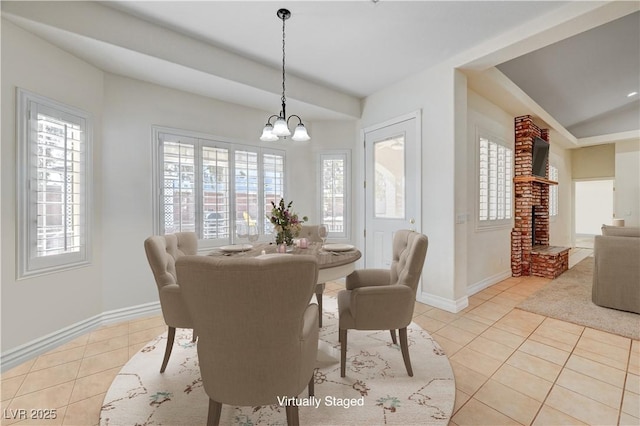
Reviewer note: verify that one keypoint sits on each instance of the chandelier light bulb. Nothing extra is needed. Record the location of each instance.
(280, 128)
(267, 134)
(300, 134)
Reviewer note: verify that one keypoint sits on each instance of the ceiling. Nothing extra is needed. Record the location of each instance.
(342, 51)
(584, 81)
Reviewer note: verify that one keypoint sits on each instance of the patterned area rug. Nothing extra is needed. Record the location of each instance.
(376, 389)
(568, 298)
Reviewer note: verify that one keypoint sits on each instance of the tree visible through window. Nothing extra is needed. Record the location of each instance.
(495, 173)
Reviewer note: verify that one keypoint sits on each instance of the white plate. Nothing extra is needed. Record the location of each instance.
(338, 247)
(236, 248)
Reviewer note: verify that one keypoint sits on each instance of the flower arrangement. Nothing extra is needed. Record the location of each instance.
(286, 223)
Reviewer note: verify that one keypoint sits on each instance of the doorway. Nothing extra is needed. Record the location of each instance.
(593, 208)
(392, 191)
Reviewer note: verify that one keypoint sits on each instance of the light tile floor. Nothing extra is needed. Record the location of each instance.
(511, 366)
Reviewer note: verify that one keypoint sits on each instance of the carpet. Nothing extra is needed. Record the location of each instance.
(376, 389)
(568, 298)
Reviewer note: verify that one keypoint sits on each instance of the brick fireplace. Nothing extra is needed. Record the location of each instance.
(530, 250)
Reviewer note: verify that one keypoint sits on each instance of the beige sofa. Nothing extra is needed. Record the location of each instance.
(616, 271)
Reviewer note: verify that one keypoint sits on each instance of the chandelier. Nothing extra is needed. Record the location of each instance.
(280, 128)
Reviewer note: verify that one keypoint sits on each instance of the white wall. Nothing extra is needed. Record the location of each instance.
(627, 193)
(131, 108)
(34, 307)
(490, 249)
(123, 110)
(333, 135)
(561, 226)
(432, 92)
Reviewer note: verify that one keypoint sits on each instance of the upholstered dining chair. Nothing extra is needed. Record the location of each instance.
(162, 252)
(310, 232)
(257, 332)
(384, 299)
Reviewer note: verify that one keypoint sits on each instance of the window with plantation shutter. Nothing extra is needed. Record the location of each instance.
(334, 185)
(53, 194)
(215, 188)
(495, 186)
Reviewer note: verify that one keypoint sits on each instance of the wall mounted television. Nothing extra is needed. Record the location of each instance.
(540, 157)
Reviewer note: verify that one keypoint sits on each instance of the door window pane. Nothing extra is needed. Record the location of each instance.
(389, 190)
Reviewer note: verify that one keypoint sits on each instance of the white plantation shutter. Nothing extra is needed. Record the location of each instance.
(334, 184)
(216, 193)
(54, 144)
(214, 188)
(178, 193)
(273, 184)
(495, 175)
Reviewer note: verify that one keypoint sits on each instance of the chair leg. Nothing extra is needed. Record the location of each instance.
(167, 352)
(194, 337)
(343, 351)
(393, 337)
(292, 415)
(404, 346)
(312, 390)
(319, 299)
(215, 408)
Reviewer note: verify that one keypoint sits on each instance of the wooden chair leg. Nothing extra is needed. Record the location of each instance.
(215, 408)
(393, 337)
(194, 337)
(343, 351)
(319, 299)
(171, 335)
(404, 346)
(312, 390)
(319, 291)
(292, 415)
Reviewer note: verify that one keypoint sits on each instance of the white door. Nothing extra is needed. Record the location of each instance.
(392, 187)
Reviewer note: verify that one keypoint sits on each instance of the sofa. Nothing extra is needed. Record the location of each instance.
(616, 271)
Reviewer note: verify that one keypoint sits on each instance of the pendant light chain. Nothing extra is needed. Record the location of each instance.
(284, 99)
(280, 127)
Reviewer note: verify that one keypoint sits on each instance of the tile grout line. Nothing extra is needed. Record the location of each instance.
(556, 379)
(624, 382)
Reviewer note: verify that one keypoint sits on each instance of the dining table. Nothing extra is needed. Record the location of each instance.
(335, 261)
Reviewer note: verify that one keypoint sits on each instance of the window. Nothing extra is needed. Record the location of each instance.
(553, 191)
(334, 182)
(495, 173)
(215, 188)
(53, 185)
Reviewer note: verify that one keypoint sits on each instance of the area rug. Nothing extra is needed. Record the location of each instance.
(568, 298)
(375, 391)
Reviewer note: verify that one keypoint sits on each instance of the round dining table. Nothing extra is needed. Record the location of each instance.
(334, 260)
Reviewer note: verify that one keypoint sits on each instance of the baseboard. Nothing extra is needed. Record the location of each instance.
(439, 302)
(16, 356)
(487, 282)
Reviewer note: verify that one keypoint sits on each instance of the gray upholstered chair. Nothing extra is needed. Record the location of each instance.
(162, 252)
(616, 273)
(310, 232)
(257, 332)
(381, 299)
